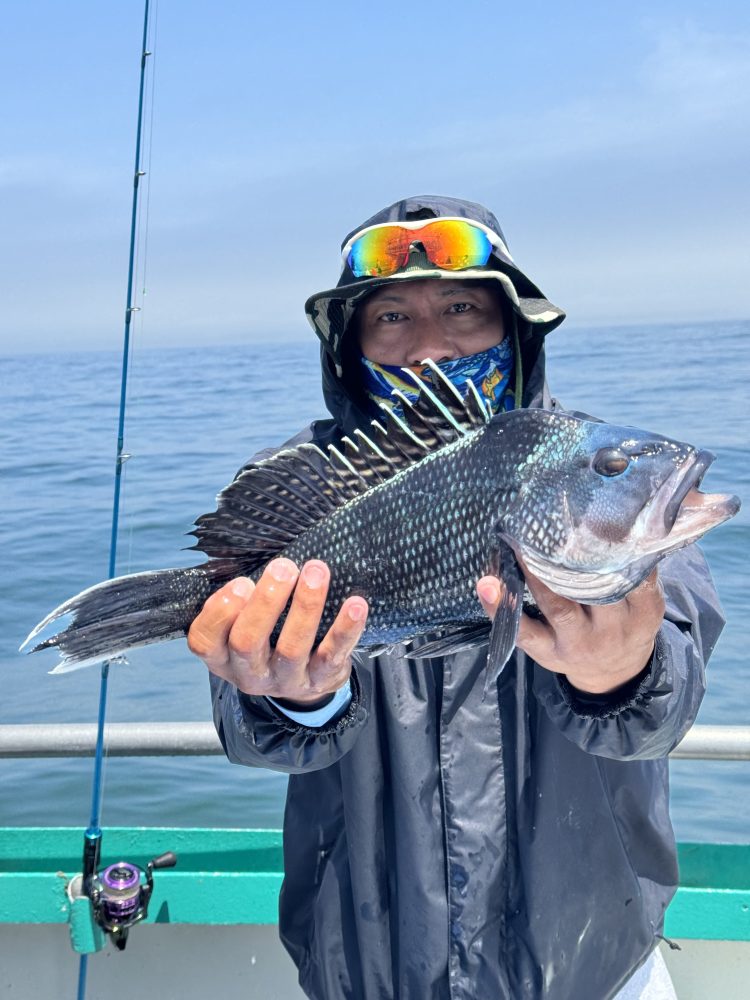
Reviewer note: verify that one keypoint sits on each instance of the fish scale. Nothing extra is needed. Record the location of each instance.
(411, 515)
(408, 574)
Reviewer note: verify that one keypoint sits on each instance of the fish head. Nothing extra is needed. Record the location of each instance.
(614, 501)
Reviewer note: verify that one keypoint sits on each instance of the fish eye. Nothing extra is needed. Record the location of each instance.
(610, 462)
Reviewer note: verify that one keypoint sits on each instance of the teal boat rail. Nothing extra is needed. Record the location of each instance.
(229, 876)
(198, 739)
(211, 928)
(222, 876)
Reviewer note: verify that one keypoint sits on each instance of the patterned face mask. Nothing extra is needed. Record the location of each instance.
(491, 371)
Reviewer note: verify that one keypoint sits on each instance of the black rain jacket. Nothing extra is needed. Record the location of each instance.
(439, 845)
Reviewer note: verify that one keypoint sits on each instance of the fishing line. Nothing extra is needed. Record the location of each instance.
(93, 834)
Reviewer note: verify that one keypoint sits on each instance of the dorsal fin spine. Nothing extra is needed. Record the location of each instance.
(444, 380)
(392, 415)
(371, 444)
(343, 459)
(298, 487)
(484, 404)
(423, 387)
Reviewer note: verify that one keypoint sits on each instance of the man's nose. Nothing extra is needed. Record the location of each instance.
(431, 340)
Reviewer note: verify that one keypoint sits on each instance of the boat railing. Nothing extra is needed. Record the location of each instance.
(199, 739)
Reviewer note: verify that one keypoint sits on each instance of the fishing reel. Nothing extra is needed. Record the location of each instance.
(120, 895)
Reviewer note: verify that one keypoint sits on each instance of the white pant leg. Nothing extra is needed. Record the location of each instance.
(650, 982)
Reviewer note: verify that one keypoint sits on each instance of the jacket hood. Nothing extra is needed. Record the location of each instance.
(330, 312)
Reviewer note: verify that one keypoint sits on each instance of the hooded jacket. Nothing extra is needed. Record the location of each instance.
(442, 845)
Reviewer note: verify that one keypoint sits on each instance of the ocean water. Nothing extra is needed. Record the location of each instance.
(194, 416)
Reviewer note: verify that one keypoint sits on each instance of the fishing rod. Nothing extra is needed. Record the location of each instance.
(119, 895)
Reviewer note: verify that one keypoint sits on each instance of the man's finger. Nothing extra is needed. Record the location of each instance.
(251, 632)
(533, 635)
(330, 665)
(490, 590)
(559, 611)
(210, 630)
(649, 593)
(297, 636)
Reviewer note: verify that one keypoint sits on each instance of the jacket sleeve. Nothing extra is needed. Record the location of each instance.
(649, 716)
(254, 732)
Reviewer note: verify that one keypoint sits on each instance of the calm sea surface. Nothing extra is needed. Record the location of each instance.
(193, 417)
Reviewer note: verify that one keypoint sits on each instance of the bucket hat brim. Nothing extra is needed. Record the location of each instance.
(330, 312)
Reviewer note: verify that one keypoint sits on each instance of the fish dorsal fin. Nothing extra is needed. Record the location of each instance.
(272, 502)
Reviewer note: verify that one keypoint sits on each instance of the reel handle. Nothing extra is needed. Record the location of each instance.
(166, 860)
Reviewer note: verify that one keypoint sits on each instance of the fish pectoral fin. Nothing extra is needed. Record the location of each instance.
(454, 640)
(508, 615)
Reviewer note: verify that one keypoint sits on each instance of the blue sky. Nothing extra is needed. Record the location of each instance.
(611, 140)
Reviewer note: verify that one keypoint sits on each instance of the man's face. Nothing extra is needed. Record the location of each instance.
(405, 322)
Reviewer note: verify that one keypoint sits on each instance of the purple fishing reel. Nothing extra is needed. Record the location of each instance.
(120, 892)
(120, 895)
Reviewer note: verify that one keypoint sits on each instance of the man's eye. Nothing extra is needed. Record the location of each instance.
(391, 317)
(461, 307)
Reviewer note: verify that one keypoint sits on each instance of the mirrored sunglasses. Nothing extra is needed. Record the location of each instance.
(450, 244)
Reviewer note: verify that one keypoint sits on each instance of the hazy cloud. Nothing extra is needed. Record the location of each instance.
(621, 190)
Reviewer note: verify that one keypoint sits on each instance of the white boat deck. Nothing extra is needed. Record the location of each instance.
(249, 963)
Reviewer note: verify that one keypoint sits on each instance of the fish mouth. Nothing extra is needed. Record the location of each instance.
(688, 514)
(690, 480)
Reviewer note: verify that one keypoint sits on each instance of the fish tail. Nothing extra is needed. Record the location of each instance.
(130, 611)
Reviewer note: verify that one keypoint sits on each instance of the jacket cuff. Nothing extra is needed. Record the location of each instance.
(334, 707)
(301, 722)
(629, 695)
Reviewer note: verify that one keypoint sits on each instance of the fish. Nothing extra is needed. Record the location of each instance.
(439, 493)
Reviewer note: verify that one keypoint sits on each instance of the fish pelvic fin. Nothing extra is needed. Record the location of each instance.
(450, 641)
(274, 501)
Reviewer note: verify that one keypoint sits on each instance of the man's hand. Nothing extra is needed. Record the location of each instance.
(232, 634)
(598, 647)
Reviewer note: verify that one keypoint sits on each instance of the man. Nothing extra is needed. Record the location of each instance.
(440, 843)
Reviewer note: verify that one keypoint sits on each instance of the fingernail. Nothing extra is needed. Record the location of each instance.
(356, 612)
(489, 593)
(282, 569)
(242, 587)
(314, 575)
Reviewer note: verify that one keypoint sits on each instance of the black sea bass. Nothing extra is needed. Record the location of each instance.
(411, 516)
